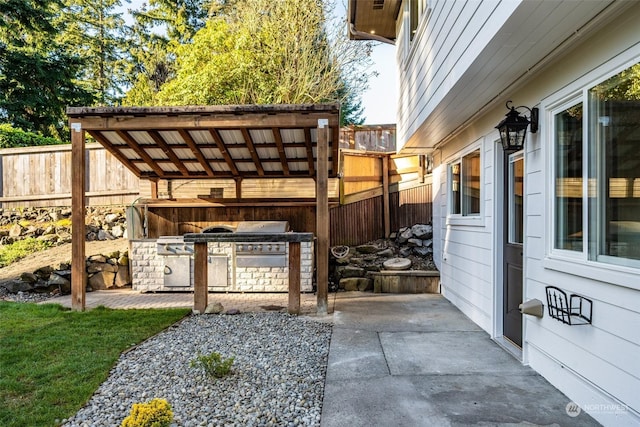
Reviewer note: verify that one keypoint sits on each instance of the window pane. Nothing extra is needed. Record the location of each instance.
(413, 18)
(568, 179)
(471, 183)
(516, 196)
(615, 166)
(455, 189)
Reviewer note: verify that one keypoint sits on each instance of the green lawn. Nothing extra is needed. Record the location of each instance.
(53, 359)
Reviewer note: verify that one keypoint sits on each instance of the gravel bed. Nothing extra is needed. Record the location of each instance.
(24, 296)
(277, 377)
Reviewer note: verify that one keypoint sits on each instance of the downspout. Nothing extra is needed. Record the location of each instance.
(369, 36)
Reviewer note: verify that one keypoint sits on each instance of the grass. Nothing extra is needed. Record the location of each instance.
(53, 359)
(20, 249)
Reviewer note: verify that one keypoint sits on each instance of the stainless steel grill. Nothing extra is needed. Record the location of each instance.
(261, 254)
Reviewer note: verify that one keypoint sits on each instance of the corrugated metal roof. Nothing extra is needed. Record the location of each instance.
(233, 141)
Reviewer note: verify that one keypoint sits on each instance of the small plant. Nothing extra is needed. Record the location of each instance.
(155, 413)
(212, 364)
(20, 249)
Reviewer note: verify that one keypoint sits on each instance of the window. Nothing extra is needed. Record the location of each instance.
(597, 199)
(614, 167)
(568, 178)
(418, 10)
(464, 187)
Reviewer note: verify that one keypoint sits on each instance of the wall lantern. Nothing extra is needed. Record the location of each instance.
(513, 128)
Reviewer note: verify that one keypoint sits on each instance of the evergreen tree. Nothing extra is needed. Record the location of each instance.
(94, 32)
(37, 74)
(159, 30)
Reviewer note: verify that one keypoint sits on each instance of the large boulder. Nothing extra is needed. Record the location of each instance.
(62, 281)
(422, 231)
(102, 280)
(123, 278)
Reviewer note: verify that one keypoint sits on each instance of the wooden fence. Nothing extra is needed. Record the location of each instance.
(41, 177)
(363, 221)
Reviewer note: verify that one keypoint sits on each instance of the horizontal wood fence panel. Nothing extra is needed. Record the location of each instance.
(41, 177)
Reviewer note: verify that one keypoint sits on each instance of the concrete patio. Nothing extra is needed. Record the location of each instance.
(402, 360)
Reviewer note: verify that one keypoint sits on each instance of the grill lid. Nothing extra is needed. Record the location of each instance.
(263, 227)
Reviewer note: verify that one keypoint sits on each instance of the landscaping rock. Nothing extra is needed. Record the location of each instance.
(117, 231)
(102, 280)
(63, 284)
(15, 286)
(214, 308)
(404, 235)
(15, 230)
(422, 231)
(351, 271)
(97, 258)
(412, 243)
(123, 278)
(367, 249)
(43, 272)
(385, 253)
(95, 267)
(29, 278)
(422, 251)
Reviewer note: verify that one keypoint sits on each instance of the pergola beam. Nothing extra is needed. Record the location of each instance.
(252, 151)
(186, 137)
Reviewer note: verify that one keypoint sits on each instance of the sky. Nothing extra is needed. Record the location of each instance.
(380, 100)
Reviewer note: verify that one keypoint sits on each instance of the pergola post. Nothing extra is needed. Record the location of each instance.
(200, 279)
(78, 169)
(294, 278)
(322, 215)
(385, 196)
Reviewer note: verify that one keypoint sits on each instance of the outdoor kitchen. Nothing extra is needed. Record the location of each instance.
(167, 262)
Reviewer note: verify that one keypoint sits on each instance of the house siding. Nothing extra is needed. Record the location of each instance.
(464, 253)
(597, 365)
(445, 45)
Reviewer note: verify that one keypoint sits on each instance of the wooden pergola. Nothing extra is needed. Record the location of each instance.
(209, 142)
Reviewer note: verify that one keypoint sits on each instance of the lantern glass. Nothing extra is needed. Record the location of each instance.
(513, 130)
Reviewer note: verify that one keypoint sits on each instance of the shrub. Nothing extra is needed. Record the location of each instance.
(14, 137)
(212, 364)
(155, 413)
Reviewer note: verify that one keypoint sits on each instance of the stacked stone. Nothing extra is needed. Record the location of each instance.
(54, 224)
(351, 270)
(103, 272)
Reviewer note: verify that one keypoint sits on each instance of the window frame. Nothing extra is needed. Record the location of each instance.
(579, 263)
(473, 219)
